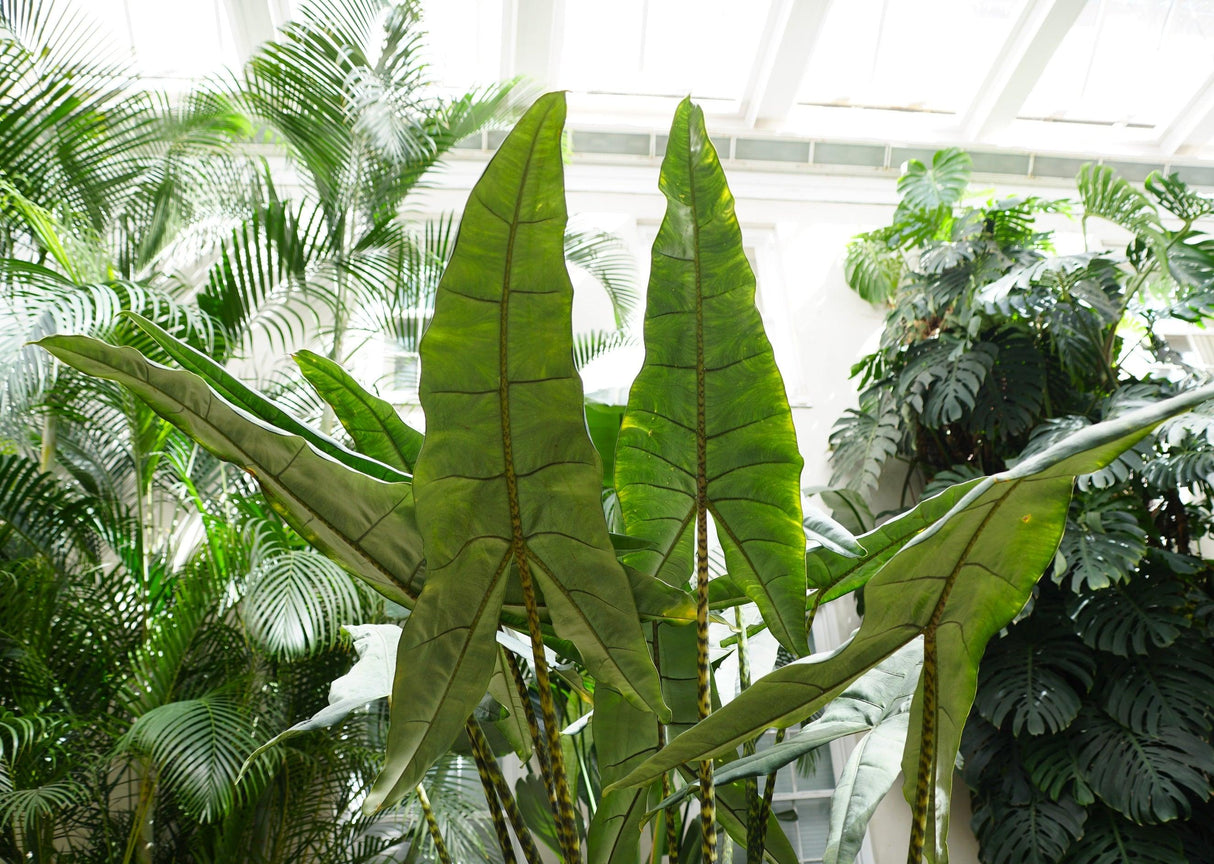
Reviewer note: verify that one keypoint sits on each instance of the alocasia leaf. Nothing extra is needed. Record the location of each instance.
(247, 399)
(957, 584)
(374, 425)
(508, 481)
(708, 429)
(365, 524)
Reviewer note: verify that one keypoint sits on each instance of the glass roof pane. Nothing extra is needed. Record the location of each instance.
(669, 48)
(463, 41)
(180, 41)
(1127, 62)
(924, 55)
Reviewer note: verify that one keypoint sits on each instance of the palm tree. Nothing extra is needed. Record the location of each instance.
(157, 617)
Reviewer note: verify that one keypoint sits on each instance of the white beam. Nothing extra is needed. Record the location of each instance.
(1193, 125)
(534, 32)
(1018, 65)
(253, 22)
(789, 38)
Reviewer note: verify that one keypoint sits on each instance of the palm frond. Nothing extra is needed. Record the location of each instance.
(198, 746)
(296, 599)
(601, 255)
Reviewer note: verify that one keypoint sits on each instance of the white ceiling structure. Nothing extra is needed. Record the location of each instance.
(1031, 87)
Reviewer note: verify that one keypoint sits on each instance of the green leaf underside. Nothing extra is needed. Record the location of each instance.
(835, 575)
(624, 736)
(373, 423)
(507, 473)
(870, 701)
(365, 524)
(709, 403)
(247, 399)
(960, 581)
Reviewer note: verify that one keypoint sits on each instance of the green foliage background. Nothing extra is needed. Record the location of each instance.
(1091, 738)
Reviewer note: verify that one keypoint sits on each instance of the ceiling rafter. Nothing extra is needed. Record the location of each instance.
(532, 40)
(1193, 125)
(789, 38)
(1018, 65)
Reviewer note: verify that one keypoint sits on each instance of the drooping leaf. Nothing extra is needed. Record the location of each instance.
(507, 480)
(847, 506)
(247, 399)
(1036, 832)
(1108, 839)
(1001, 534)
(514, 725)
(872, 269)
(364, 523)
(1103, 542)
(941, 184)
(1170, 688)
(624, 736)
(1036, 681)
(1130, 618)
(871, 700)
(708, 429)
(868, 774)
(373, 424)
(370, 678)
(1147, 778)
(835, 575)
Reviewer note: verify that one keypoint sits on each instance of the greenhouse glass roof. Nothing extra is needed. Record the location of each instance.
(1121, 79)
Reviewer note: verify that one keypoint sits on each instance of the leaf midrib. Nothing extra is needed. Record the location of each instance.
(518, 542)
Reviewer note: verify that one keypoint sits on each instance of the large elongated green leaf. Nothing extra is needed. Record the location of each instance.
(366, 524)
(956, 584)
(507, 479)
(247, 399)
(374, 425)
(624, 736)
(708, 427)
(835, 575)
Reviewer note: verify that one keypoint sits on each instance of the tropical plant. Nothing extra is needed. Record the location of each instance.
(157, 615)
(1091, 740)
(496, 526)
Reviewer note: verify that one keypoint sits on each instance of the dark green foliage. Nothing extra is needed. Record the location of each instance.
(1093, 712)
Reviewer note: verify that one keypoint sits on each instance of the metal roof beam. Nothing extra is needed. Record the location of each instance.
(1018, 65)
(1193, 125)
(789, 38)
(534, 34)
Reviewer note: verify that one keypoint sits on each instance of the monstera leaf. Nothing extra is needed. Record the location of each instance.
(957, 584)
(1037, 680)
(1108, 839)
(1038, 831)
(1103, 541)
(1132, 617)
(508, 482)
(708, 430)
(941, 184)
(1148, 778)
